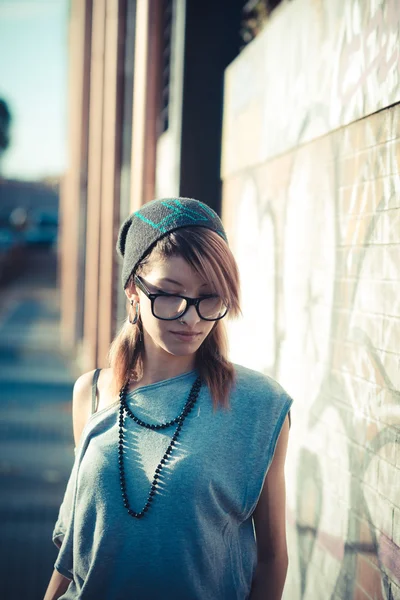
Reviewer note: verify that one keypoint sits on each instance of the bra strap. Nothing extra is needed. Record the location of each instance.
(94, 389)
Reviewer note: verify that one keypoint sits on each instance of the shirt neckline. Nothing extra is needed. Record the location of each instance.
(114, 405)
(161, 383)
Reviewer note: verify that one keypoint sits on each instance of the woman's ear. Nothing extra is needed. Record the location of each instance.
(131, 292)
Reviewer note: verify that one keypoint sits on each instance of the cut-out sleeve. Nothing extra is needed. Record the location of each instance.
(272, 411)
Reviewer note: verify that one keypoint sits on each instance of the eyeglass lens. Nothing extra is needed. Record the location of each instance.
(170, 307)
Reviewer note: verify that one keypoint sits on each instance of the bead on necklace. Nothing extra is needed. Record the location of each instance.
(124, 411)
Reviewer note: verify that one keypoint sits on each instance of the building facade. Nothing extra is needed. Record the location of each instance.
(145, 106)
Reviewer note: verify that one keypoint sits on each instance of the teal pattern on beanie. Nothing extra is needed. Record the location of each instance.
(142, 229)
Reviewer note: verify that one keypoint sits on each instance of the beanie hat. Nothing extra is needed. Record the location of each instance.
(141, 230)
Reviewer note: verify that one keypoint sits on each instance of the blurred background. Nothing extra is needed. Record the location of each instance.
(284, 117)
(35, 377)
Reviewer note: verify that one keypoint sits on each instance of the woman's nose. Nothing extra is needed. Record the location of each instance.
(191, 316)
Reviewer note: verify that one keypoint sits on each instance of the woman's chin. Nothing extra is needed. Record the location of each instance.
(182, 349)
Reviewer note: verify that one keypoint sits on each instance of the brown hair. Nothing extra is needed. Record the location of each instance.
(211, 257)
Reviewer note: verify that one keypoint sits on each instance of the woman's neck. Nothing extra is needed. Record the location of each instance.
(158, 369)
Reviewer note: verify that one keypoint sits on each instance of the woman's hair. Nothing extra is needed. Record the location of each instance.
(211, 257)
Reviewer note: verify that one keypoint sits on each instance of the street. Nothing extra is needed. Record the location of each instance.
(36, 443)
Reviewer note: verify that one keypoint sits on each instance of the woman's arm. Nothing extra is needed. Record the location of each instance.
(270, 526)
(81, 409)
(57, 586)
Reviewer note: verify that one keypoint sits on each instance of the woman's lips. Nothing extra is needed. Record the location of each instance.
(187, 336)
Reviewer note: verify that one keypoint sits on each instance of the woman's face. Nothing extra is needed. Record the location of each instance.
(174, 276)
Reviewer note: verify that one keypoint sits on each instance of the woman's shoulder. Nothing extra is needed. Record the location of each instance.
(81, 403)
(85, 381)
(255, 382)
(260, 394)
(82, 398)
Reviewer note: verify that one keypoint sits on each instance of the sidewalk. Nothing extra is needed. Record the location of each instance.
(36, 443)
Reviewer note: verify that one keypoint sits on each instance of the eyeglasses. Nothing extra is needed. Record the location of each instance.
(169, 307)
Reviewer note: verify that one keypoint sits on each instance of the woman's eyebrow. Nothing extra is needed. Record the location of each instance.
(168, 280)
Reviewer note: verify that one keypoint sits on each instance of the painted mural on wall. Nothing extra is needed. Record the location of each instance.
(333, 341)
(339, 59)
(324, 251)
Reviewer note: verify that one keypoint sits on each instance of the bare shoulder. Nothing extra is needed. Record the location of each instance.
(104, 389)
(82, 399)
(83, 384)
(81, 403)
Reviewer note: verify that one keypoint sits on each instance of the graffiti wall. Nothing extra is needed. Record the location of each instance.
(317, 58)
(316, 232)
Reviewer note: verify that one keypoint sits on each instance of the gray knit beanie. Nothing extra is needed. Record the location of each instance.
(141, 230)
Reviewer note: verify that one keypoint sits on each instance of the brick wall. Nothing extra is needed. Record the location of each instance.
(316, 231)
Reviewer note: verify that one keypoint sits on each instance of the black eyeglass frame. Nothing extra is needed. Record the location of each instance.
(189, 301)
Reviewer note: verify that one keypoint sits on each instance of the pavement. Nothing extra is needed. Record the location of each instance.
(36, 441)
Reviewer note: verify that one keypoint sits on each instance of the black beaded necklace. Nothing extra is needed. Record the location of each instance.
(179, 420)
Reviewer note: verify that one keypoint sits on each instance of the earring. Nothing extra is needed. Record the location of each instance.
(136, 317)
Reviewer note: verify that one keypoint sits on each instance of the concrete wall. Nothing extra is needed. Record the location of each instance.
(312, 207)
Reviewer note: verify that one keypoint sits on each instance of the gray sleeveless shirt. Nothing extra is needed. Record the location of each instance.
(197, 540)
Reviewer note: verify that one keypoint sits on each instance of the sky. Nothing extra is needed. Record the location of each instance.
(33, 81)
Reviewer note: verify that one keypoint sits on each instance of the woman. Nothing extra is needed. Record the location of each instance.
(185, 450)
